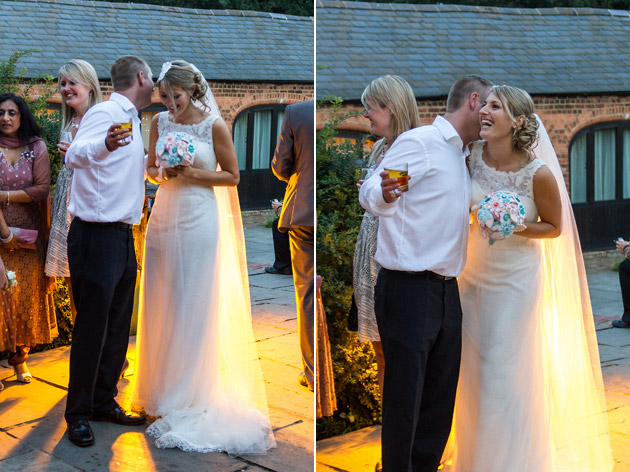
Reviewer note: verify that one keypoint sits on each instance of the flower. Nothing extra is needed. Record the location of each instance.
(11, 278)
(174, 149)
(499, 214)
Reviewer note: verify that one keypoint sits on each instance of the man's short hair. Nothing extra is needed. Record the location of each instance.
(125, 70)
(463, 87)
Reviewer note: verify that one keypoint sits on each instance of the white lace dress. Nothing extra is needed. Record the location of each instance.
(500, 424)
(197, 367)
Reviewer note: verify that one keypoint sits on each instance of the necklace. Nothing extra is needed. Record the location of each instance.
(73, 124)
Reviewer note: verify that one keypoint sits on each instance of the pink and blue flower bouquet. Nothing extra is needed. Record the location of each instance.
(175, 149)
(499, 215)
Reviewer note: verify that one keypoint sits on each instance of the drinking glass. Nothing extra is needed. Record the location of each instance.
(128, 126)
(400, 172)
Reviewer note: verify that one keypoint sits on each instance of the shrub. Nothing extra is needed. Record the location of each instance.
(13, 80)
(338, 219)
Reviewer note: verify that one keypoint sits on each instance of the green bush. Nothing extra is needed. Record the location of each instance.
(338, 219)
(13, 80)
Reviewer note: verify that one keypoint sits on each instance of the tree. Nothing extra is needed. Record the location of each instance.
(288, 7)
(605, 4)
(12, 80)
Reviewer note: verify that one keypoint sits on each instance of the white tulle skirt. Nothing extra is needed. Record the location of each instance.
(197, 365)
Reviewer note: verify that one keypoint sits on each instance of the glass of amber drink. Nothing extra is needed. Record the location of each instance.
(400, 172)
(128, 126)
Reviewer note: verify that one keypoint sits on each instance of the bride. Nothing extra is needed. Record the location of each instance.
(197, 365)
(530, 393)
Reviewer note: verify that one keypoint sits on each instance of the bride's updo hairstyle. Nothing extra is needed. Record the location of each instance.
(517, 102)
(181, 74)
(395, 93)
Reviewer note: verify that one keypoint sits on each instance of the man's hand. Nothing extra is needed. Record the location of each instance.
(116, 137)
(388, 187)
(621, 246)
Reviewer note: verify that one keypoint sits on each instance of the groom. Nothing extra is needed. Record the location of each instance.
(105, 200)
(422, 237)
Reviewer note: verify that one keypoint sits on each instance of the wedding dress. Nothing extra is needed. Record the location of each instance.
(197, 365)
(530, 393)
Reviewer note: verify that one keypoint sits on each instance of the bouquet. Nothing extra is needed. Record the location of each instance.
(175, 149)
(499, 215)
(11, 279)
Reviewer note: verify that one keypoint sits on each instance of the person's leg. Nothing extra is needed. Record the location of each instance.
(119, 322)
(440, 381)
(302, 259)
(95, 270)
(624, 282)
(380, 364)
(409, 323)
(281, 247)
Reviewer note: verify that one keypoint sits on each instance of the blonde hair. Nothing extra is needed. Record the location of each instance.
(79, 72)
(517, 102)
(396, 94)
(463, 88)
(181, 74)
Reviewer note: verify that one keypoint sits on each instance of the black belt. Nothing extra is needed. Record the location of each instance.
(431, 274)
(114, 224)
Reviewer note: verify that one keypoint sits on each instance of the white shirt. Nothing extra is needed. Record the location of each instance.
(427, 227)
(107, 186)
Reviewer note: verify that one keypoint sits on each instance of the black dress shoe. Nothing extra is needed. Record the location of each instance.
(620, 324)
(273, 270)
(80, 433)
(118, 416)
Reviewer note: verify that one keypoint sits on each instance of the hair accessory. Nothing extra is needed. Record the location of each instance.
(165, 68)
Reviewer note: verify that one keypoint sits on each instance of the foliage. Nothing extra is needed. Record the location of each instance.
(606, 4)
(338, 220)
(288, 7)
(13, 80)
(61, 300)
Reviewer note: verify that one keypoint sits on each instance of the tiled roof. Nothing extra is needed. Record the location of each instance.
(223, 44)
(545, 51)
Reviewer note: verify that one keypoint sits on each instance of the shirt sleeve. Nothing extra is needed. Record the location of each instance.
(88, 147)
(41, 173)
(284, 158)
(405, 149)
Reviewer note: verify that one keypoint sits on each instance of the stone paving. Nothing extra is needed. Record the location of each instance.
(358, 451)
(32, 428)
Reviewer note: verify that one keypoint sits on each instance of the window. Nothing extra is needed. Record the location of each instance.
(256, 131)
(146, 116)
(600, 163)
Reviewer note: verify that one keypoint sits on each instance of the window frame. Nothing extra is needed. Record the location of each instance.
(275, 108)
(619, 126)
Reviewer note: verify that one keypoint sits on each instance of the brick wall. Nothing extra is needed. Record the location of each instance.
(234, 97)
(563, 116)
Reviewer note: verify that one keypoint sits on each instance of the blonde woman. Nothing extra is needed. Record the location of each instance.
(391, 107)
(197, 366)
(79, 90)
(530, 389)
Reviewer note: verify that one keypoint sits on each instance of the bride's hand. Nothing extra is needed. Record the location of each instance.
(170, 173)
(184, 171)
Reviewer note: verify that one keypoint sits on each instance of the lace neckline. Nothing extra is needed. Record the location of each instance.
(507, 172)
(190, 125)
